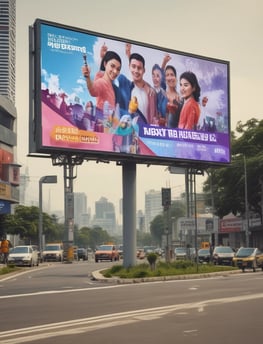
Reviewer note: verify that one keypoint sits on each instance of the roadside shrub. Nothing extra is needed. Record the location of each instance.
(140, 274)
(152, 257)
(179, 267)
(9, 268)
(116, 268)
(182, 264)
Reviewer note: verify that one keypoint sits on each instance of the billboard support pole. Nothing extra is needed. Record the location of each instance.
(129, 213)
(42, 180)
(68, 162)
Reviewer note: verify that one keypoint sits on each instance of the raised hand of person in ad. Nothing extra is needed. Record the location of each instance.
(85, 71)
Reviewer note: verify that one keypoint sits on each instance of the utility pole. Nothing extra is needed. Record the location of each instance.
(246, 203)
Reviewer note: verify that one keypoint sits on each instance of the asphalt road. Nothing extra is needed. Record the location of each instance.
(60, 303)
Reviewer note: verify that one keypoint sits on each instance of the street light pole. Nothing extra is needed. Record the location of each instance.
(45, 179)
(246, 202)
(167, 253)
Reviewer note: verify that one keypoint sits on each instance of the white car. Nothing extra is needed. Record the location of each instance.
(180, 253)
(23, 256)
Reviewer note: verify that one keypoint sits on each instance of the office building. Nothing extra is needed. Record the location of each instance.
(153, 207)
(105, 216)
(9, 169)
(80, 209)
(140, 221)
(7, 48)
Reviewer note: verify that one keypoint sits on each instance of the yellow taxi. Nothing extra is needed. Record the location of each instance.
(248, 258)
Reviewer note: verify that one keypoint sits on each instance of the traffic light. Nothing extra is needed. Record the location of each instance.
(166, 197)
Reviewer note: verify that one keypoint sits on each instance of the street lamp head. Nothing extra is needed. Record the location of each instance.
(48, 179)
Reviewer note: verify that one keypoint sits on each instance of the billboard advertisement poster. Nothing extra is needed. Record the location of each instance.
(109, 97)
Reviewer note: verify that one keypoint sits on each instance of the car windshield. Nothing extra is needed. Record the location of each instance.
(204, 251)
(52, 248)
(105, 248)
(245, 252)
(180, 250)
(223, 249)
(20, 249)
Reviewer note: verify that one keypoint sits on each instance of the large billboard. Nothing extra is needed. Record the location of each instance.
(112, 98)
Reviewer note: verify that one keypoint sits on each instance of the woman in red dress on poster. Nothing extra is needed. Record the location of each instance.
(190, 92)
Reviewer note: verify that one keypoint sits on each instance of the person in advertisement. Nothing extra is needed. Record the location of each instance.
(139, 88)
(190, 92)
(102, 87)
(174, 104)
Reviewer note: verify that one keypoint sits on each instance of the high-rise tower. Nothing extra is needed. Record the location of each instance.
(7, 48)
(9, 169)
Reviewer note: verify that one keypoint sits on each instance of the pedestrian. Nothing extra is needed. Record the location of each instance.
(5, 245)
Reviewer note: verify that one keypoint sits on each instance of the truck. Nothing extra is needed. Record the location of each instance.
(53, 252)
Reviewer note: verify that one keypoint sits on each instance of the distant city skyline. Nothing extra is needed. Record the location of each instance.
(29, 198)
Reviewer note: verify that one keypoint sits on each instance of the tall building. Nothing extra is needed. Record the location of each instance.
(153, 207)
(140, 221)
(7, 48)
(80, 209)
(9, 169)
(105, 216)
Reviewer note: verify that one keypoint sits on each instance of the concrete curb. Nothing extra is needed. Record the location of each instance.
(97, 276)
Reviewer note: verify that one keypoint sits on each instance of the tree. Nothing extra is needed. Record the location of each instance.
(165, 220)
(228, 184)
(144, 239)
(157, 227)
(24, 222)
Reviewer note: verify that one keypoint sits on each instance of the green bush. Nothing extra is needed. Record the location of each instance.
(152, 257)
(116, 268)
(140, 274)
(9, 268)
(178, 267)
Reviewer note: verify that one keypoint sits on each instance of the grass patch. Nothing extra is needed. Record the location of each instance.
(8, 268)
(178, 267)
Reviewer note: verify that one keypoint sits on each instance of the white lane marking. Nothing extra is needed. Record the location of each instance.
(104, 321)
(48, 292)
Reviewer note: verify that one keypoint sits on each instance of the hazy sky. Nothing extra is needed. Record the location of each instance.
(225, 29)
